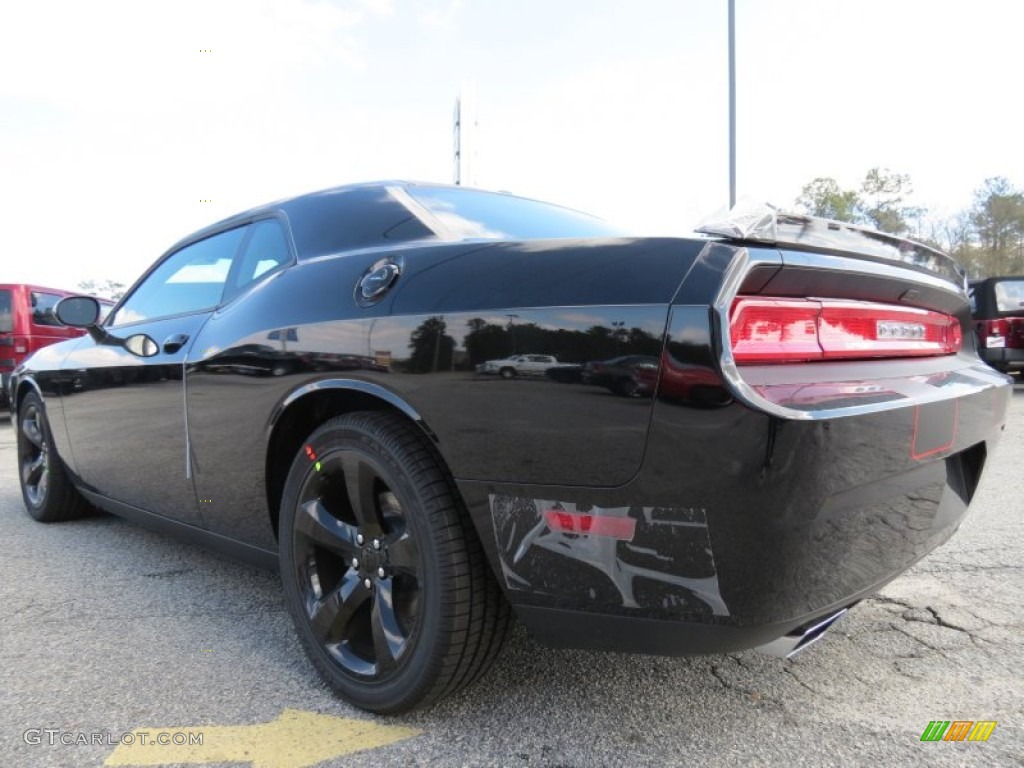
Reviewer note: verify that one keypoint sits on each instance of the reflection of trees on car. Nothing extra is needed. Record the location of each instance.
(432, 348)
(486, 341)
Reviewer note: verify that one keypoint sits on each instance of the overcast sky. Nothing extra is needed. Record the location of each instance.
(119, 120)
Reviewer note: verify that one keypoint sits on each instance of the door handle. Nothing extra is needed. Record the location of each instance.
(173, 343)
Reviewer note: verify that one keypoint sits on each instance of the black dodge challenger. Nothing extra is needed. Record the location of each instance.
(296, 386)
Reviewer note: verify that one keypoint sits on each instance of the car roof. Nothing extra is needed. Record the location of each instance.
(353, 216)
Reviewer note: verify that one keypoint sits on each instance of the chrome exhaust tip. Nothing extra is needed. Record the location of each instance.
(801, 638)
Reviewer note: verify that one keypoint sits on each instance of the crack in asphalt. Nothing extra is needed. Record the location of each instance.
(717, 674)
(789, 671)
(948, 624)
(912, 614)
(917, 639)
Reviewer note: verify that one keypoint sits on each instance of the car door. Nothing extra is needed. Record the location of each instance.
(125, 413)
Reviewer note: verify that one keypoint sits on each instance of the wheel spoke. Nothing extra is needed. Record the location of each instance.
(32, 471)
(30, 428)
(331, 615)
(322, 528)
(360, 481)
(388, 638)
(403, 555)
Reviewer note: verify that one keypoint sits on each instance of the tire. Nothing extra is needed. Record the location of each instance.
(399, 626)
(508, 373)
(629, 388)
(49, 495)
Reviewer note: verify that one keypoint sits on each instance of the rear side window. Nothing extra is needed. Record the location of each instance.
(1009, 296)
(42, 308)
(189, 280)
(6, 320)
(266, 250)
(472, 214)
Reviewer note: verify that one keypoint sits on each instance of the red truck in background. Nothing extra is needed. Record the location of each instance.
(28, 323)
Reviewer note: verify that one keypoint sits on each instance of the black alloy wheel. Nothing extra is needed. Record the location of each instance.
(378, 560)
(45, 487)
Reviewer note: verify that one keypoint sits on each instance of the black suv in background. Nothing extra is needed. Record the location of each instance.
(997, 305)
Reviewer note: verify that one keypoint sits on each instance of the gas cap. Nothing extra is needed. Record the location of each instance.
(375, 283)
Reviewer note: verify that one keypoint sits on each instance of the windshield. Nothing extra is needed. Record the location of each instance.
(473, 214)
(1009, 296)
(6, 321)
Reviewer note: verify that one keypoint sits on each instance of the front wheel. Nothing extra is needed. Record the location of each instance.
(386, 581)
(508, 373)
(45, 486)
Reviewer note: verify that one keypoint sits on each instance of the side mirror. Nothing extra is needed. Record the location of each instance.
(85, 311)
(78, 311)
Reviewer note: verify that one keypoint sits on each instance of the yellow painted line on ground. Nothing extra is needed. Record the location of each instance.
(294, 740)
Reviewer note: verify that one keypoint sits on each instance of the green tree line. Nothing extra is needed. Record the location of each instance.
(987, 238)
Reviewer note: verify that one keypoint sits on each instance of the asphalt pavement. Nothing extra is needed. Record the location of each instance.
(111, 634)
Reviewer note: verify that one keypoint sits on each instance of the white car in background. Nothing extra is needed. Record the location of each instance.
(520, 365)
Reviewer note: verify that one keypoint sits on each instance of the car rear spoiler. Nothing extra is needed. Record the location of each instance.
(764, 224)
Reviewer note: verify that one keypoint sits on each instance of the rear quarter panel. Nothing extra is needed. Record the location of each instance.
(455, 305)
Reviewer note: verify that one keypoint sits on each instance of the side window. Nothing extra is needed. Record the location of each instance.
(42, 308)
(6, 315)
(189, 280)
(1009, 295)
(265, 251)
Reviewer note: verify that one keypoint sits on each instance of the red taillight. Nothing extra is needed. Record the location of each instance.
(1001, 332)
(794, 330)
(774, 330)
(997, 327)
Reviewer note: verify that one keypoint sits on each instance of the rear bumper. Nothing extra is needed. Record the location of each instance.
(561, 628)
(748, 525)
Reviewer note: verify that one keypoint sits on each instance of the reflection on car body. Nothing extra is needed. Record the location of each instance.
(520, 365)
(620, 373)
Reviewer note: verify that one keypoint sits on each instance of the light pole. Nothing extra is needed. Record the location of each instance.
(511, 328)
(732, 103)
